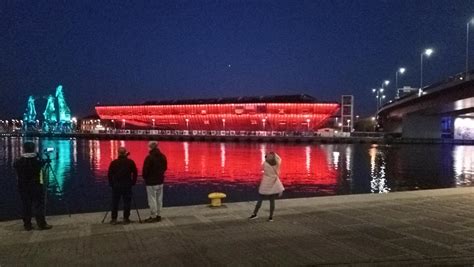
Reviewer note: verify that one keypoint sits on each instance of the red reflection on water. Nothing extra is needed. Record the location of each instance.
(230, 163)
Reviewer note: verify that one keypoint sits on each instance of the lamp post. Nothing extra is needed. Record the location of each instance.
(467, 47)
(307, 123)
(401, 71)
(386, 83)
(187, 124)
(427, 53)
(378, 96)
(223, 124)
(263, 123)
(153, 122)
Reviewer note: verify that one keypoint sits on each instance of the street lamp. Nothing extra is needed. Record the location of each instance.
(427, 53)
(263, 123)
(307, 123)
(378, 96)
(401, 71)
(467, 46)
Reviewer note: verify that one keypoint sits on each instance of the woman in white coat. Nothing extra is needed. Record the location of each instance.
(270, 185)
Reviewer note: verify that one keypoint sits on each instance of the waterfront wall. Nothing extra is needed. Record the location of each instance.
(280, 139)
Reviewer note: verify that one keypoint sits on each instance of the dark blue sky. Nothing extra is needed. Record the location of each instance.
(101, 51)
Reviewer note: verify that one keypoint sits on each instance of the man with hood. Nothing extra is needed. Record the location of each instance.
(154, 169)
(122, 176)
(30, 185)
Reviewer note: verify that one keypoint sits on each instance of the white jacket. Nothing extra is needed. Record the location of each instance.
(271, 183)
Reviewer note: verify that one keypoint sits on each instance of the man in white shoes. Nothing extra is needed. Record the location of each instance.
(154, 169)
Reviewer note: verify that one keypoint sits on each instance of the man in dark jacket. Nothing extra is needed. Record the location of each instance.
(154, 169)
(122, 176)
(30, 185)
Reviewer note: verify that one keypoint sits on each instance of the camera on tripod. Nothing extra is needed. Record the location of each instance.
(47, 154)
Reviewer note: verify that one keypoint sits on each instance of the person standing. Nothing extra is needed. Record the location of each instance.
(154, 169)
(270, 185)
(30, 186)
(122, 176)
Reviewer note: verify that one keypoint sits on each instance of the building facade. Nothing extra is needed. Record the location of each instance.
(291, 113)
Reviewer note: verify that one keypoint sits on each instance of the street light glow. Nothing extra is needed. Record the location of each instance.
(386, 82)
(428, 52)
(381, 89)
(373, 90)
(402, 70)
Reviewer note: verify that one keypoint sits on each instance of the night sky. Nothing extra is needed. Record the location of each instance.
(104, 52)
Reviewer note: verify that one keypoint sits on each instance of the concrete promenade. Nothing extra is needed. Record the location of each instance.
(419, 228)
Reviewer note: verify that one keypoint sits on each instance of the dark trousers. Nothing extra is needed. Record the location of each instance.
(272, 203)
(32, 198)
(126, 194)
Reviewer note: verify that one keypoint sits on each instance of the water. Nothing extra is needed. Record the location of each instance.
(198, 168)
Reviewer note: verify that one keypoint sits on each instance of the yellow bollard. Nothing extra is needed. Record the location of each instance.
(216, 198)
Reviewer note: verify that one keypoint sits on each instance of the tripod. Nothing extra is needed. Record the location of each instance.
(48, 170)
(136, 209)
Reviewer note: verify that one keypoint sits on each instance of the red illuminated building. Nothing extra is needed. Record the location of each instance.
(267, 113)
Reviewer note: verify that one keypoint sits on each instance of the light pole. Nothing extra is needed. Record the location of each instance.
(378, 96)
(263, 123)
(307, 123)
(401, 71)
(187, 124)
(467, 47)
(153, 122)
(428, 53)
(386, 83)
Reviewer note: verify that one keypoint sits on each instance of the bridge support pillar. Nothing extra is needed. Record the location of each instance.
(421, 126)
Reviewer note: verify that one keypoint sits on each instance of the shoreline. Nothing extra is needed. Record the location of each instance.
(244, 139)
(319, 202)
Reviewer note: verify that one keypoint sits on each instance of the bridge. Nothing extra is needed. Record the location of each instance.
(444, 109)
